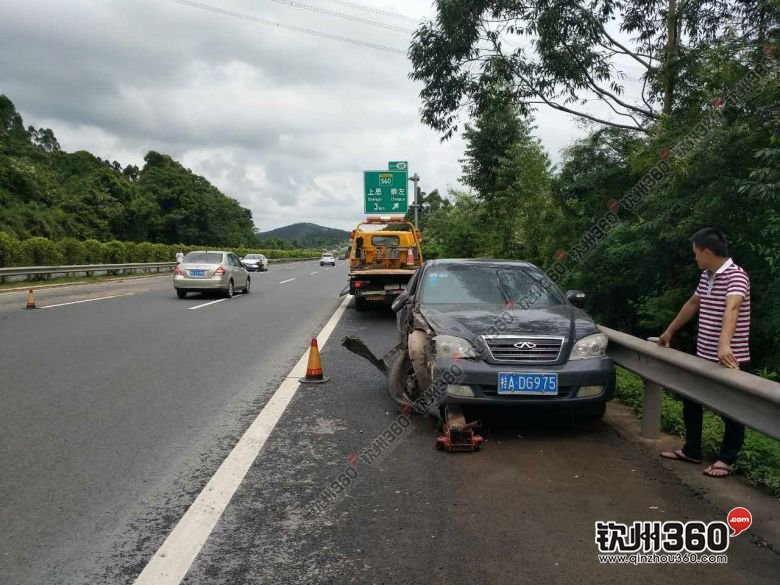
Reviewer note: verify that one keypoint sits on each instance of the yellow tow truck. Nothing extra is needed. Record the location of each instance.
(384, 254)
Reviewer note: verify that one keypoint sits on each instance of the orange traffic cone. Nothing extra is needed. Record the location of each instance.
(31, 300)
(314, 367)
(409, 256)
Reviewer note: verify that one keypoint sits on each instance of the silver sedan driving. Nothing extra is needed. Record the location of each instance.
(206, 271)
(255, 262)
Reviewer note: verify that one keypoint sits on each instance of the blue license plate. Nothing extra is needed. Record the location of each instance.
(538, 384)
(197, 272)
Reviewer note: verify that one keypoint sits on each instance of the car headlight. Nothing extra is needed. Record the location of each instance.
(592, 346)
(454, 347)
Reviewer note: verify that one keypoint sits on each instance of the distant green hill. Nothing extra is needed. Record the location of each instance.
(47, 192)
(307, 235)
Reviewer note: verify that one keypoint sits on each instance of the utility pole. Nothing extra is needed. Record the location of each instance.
(414, 178)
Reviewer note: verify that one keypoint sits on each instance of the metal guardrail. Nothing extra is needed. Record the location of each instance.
(748, 399)
(91, 268)
(88, 268)
(283, 260)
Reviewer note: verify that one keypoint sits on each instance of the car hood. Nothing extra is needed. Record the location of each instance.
(470, 323)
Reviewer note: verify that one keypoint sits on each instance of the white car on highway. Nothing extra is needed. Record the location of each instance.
(210, 271)
(255, 262)
(327, 259)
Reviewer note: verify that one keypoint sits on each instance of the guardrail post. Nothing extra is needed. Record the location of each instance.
(652, 400)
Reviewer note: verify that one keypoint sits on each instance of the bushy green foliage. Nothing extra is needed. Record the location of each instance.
(145, 252)
(49, 193)
(40, 252)
(161, 253)
(9, 250)
(94, 253)
(43, 252)
(73, 251)
(759, 460)
(114, 252)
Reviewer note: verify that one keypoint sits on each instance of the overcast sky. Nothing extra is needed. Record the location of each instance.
(283, 121)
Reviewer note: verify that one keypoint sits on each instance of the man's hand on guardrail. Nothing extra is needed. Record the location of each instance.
(665, 339)
(726, 356)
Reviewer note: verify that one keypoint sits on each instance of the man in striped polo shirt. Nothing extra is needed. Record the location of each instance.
(722, 300)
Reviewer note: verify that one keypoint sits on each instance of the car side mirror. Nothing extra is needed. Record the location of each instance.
(399, 302)
(575, 297)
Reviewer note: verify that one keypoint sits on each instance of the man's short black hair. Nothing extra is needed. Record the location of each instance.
(713, 240)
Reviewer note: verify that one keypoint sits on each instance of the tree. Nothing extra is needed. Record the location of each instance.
(506, 167)
(561, 54)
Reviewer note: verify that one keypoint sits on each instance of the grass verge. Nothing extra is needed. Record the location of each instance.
(759, 460)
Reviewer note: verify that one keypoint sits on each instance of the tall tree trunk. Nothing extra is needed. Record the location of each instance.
(672, 53)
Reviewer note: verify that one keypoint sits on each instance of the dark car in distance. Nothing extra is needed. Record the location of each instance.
(499, 332)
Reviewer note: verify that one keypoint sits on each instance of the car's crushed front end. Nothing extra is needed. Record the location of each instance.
(520, 365)
(501, 333)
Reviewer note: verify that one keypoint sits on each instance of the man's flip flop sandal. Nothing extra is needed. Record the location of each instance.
(725, 471)
(679, 456)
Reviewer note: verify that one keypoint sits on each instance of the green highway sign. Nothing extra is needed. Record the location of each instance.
(385, 191)
(398, 165)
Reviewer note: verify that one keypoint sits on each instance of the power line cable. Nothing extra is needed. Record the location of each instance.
(290, 27)
(377, 11)
(344, 16)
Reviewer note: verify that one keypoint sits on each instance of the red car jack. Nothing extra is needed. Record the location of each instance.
(458, 434)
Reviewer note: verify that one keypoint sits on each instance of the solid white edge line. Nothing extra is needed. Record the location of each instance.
(206, 304)
(87, 301)
(288, 280)
(173, 559)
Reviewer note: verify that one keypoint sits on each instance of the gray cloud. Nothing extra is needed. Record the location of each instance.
(283, 122)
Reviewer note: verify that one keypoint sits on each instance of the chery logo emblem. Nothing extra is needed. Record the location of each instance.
(525, 345)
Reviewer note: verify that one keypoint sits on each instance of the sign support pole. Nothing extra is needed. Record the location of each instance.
(414, 178)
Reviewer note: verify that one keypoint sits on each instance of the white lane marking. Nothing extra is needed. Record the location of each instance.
(310, 273)
(87, 301)
(170, 563)
(206, 304)
(288, 280)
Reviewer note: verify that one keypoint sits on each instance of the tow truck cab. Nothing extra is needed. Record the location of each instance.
(384, 254)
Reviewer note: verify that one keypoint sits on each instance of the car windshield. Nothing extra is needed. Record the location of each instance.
(252, 257)
(489, 286)
(203, 258)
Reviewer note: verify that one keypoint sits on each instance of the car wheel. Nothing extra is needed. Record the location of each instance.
(181, 293)
(248, 284)
(229, 292)
(360, 304)
(401, 382)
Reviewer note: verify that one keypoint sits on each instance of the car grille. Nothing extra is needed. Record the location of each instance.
(537, 350)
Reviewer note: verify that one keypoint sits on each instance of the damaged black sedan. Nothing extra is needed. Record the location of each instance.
(497, 332)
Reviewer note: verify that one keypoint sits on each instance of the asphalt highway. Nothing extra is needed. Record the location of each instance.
(118, 411)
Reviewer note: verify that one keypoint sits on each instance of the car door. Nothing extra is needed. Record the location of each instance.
(239, 272)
